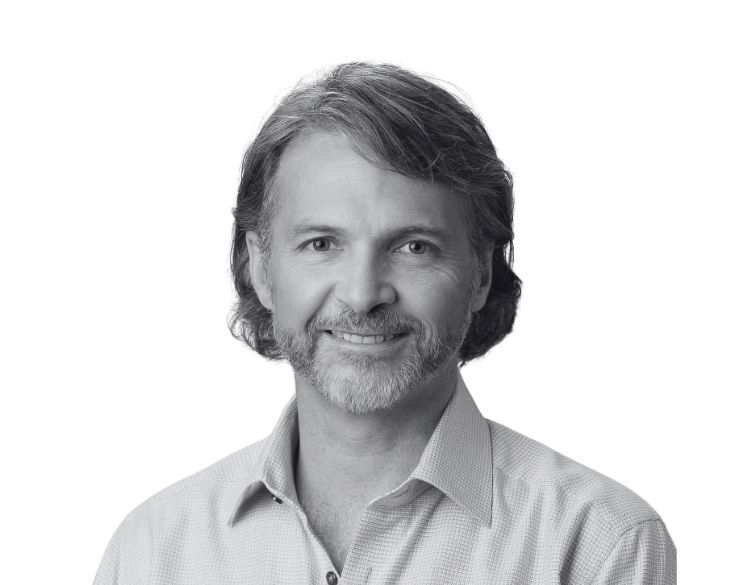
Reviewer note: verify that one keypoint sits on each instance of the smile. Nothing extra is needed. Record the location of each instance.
(360, 339)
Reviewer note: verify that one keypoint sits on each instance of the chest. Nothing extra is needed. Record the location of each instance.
(430, 541)
(335, 525)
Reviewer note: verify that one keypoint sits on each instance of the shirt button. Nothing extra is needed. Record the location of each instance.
(331, 578)
(277, 500)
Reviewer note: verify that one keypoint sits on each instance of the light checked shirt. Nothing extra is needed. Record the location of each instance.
(484, 505)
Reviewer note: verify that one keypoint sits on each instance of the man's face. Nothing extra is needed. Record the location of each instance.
(370, 276)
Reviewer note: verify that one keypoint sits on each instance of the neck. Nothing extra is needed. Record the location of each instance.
(355, 458)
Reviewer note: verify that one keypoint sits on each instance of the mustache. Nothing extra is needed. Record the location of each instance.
(380, 319)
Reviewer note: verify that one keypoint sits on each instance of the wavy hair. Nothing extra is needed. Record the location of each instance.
(404, 123)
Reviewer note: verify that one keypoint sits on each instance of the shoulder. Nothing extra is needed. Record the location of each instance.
(205, 497)
(572, 514)
(207, 489)
(524, 466)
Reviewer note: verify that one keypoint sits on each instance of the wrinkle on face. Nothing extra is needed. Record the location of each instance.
(368, 215)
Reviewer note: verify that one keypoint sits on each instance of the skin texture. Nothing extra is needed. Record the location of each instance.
(356, 248)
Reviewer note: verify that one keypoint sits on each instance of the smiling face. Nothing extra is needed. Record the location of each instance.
(370, 276)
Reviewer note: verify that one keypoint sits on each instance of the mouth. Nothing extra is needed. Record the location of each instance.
(365, 338)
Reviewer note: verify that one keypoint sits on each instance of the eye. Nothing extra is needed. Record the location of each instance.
(320, 244)
(415, 247)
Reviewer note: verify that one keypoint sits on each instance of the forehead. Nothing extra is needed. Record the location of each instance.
(322, 179)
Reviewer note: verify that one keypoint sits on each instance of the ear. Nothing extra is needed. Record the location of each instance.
(479, 297)
(257, 268)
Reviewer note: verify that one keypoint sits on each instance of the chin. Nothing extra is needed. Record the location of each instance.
(370, 386)
(365, 381)
(358, 395)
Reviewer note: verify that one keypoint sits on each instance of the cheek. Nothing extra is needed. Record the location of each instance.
(297, 295)
(438, 299)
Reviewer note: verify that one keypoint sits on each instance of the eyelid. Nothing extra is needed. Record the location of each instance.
(431, 247)
(310, 241)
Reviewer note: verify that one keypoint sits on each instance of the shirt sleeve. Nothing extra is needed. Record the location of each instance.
(128, 555)
(644, 555)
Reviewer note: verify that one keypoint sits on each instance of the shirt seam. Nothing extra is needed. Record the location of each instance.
(598, 501)
(154, 545)
(615, 544)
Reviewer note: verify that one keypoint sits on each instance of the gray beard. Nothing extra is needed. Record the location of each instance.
(360, 384)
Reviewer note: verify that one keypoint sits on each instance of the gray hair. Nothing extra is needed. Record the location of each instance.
(404, 123)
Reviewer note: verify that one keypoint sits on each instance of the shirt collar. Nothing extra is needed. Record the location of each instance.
(274, 468)
(457, 459)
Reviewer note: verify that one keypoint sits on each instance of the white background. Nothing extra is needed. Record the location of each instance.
(122, 128)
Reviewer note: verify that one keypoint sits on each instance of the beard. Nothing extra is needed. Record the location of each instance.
(359, 383)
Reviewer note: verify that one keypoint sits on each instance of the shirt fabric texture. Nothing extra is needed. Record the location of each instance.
(484, 505)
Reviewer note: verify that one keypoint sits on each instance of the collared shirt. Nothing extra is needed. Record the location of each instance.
(484, 505)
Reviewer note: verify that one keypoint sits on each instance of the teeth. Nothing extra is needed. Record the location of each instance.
(362, 338)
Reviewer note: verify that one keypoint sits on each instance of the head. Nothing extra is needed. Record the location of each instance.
(407, 149)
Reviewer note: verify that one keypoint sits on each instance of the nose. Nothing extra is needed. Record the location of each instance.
(364, 285)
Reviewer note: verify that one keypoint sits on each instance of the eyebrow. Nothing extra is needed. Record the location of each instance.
(440, 234)
(302, 229)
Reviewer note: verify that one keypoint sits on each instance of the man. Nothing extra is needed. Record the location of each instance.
(372, 250)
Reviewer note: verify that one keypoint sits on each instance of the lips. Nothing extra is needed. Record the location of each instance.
(363, 339)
